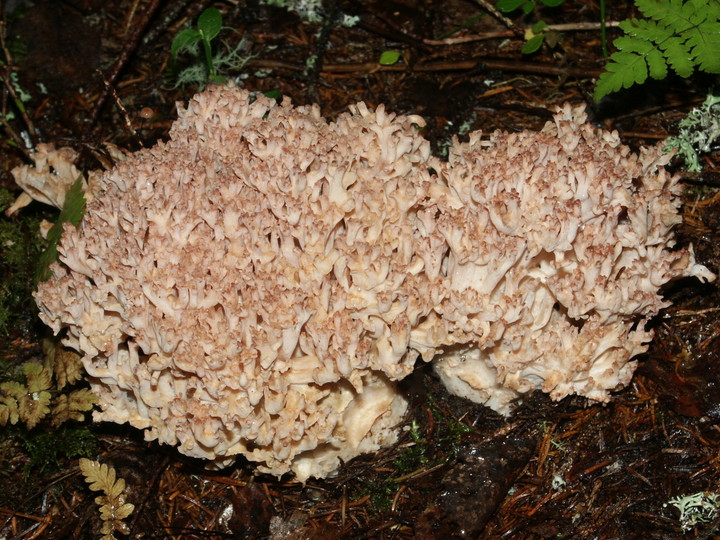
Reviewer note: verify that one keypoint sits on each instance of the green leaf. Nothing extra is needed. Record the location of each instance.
(184, 40)
(533, 44)
(210, 23)
(552, 3)
(705, 46)
(678, 56)
(506, 6)
(388, 58)
(649, 31)
(72, 212)
(538, 27)
(656, 64)
(620, 73)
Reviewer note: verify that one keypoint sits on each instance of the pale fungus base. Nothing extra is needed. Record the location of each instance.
(256, 285)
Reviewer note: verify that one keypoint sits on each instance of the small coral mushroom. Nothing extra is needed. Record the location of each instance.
(250, 286)
(559, 242)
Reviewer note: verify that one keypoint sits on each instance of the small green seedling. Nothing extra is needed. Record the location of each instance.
(208, 27)
(534, 37)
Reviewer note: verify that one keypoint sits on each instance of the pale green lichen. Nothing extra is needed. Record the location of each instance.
(698, 132)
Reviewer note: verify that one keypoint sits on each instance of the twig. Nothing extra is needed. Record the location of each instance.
(130, 16)
(463, 65)
(127, 50)
(581, 27)
(569, 27)
(123, 111)
(469, 39)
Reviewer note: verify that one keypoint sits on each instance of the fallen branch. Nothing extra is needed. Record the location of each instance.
(464, 65)
(570, 27)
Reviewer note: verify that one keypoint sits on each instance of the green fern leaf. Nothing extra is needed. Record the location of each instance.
(14, 389)
(38, 377)
(633, 45)
(704, 43)
(34, 407)
(667, 10)
(681, 35)
(624, 70)
(678, 56)
(656, 64)
(650, 31)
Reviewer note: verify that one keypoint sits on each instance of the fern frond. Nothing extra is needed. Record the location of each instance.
(72, 406)
(13, 389)
(11, 393)
(34, 407)
(704, 42)
(679, 35)
(68, 367)
(8, 411)
(38, 377)
(98, 475)
(29, 403)
(678, 56)
(113, 508)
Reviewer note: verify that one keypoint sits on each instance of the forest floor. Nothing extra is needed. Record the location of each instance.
(94, 72)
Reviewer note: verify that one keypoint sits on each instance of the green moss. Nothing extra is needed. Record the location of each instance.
(381, 494)
(20, 247)
(422, 452)
(450, 430)
(46, 450)
(411, 458)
